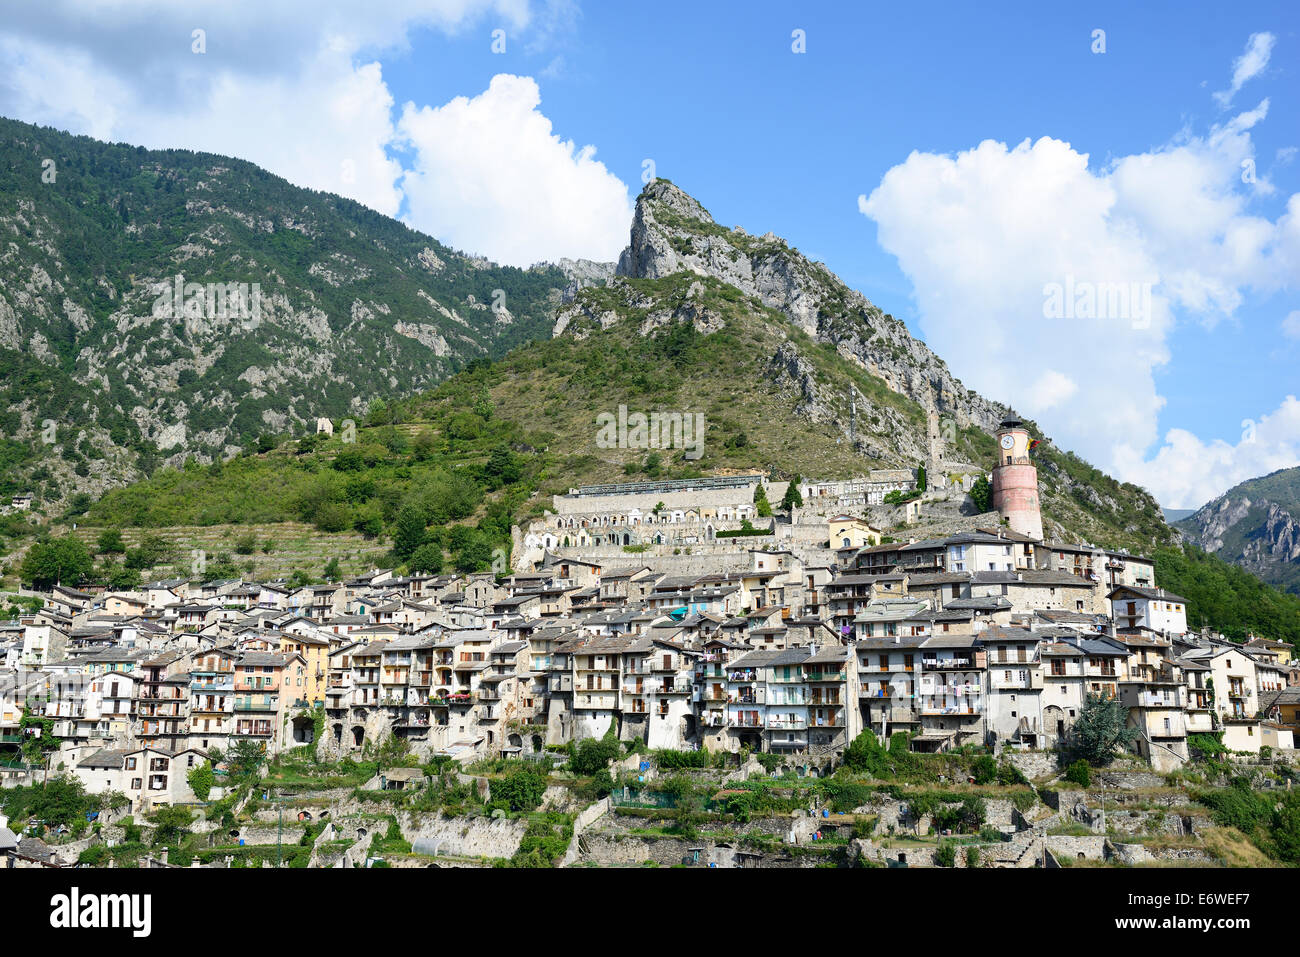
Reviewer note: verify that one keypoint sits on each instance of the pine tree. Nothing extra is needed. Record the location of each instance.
(793, 497)
(760, 499)
(1101, 730)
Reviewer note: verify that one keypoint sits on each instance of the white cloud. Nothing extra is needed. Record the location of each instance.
(1190, 472)
(1251, 63)
(297, 87)
(995, 240)
(983, 236)
(490, 175)
(1291, 325)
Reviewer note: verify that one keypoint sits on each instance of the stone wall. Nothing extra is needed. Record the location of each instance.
(1091, 847)
(1033, 764)
(463, 836)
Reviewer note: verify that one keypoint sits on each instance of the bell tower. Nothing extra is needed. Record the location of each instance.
(1015, 480)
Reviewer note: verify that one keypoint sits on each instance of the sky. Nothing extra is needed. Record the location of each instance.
(1092, 214)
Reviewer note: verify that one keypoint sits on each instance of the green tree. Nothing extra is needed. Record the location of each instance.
(408, 532)
(426, 559)
(1079, 773)
(38, 739)
(920, 478)
(760, 500)
(592, 755)
(170, 823)
(201, 780)
(475, 556)
(521, 789)
(984, 770)
(864, 753)
(793, 497)
(981, 493)
(1100, 730)
(245, 760)
(502, 467)
(945, 855)
(110, 542)
(64, 561)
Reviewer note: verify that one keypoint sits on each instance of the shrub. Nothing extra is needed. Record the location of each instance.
(985, 769)
(1079, 773)
(96, 855)
(520, 790)
(594, 755)
(946, 855)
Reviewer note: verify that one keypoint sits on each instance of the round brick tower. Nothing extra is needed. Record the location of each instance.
(1015, 481)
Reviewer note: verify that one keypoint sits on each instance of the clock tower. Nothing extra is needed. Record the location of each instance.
(1015, 480)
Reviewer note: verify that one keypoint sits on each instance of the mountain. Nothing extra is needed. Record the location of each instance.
(1173, 515)
(791, 372)
(910, 409)
(105, 373)
(1255, 525)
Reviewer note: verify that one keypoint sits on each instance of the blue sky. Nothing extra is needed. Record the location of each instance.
(864, 152)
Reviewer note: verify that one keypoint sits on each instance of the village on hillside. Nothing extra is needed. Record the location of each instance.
(674, 618)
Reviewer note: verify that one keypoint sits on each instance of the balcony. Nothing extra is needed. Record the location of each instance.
(210, 686)
(1148, 700)
(940, 710)
(460, 699)
(787, 724)
(948, 664)
(255, 706)
(744, 721)
(825, 676)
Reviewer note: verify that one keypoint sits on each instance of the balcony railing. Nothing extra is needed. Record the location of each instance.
(782, 724)
(825, 676)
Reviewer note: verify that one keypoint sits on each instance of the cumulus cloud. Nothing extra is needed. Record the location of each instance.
(1054, 285)
(1251, 63)
(1190, 472)
(298, 88)
(492, 175)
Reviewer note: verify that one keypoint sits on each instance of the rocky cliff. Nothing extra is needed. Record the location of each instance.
(1255, 525)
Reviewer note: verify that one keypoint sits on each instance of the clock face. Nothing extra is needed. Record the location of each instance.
(1008, 441)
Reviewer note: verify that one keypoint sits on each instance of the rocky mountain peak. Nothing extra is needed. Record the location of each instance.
(671, 232)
